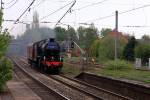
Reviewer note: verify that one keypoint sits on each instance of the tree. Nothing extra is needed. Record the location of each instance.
(71, 33)
(5, 64)
(82, 36)
(142, 51)
(145, 37)
(1, 16)
(60, 33)
(91, 36)
(94, 49)
(128, 52)
(87, 36)
(105, 31)
(5, 71)
(107, 47)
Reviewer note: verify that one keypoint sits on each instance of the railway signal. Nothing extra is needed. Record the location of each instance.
(72, 44)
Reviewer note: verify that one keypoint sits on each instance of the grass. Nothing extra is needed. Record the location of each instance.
(70, 70)
(72, 59)
(131, 74)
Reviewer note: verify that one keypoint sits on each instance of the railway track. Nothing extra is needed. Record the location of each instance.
(42, 90)
(86, 88)
(64, 90)
(132, 89)
(70, 88)
(89, 89)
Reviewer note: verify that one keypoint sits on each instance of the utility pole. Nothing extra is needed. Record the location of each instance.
(116, 36)
(1, 15)
(1, 4)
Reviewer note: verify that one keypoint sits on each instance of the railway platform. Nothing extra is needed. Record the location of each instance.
(21, 91)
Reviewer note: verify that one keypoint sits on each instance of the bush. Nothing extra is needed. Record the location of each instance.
(128, 52)
(143, 51)
(106, 48)
(5, 72)
(117, 65)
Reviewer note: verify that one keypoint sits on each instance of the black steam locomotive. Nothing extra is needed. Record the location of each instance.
(45, 55)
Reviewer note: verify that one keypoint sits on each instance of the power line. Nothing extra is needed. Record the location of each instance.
(24, 11)
(15, 21)
(10, 20)
(9, 2)
(123, 12)
(42, 1)
(56, 11)
(11, 5)
(100, 18)
(93, 4)
(144, 6)
(137, 26)
(66, 12)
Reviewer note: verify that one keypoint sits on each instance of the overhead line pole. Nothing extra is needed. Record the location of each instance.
(1, 4)
(66, 12)
(1, 13)
(116, 35)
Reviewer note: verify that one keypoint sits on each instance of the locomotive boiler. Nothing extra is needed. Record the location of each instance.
(45, 55)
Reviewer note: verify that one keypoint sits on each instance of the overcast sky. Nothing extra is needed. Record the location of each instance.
(84, 11)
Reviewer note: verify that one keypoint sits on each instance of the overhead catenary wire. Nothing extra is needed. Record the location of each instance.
(66, 13)
(56, 11)
(93, 4)
(15, 22)
(27, 22)
(11, 5)
(123, 12)
(137, 26)
(9, 2)
(42, 1)
(24, 11)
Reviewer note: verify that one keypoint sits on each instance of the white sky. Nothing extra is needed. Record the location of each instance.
(139, 17)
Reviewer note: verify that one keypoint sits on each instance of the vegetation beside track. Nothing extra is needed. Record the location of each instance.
(70, 70)
(124, 70)
(5, 64)
(5, 72)
(131, 74)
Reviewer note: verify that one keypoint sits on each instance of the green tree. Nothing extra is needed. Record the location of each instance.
(4, 42)
(94, 49)
(87, 36)
(128, 52)
(142, 51)
(146, 39)
(91, 36)
(82, 36)
(61, 33)
(105, 31)
(71, 33)
(107, 47)
(5, 64)
(5, 71)
(1, 16)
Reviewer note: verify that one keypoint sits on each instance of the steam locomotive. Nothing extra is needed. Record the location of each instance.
(45, 55)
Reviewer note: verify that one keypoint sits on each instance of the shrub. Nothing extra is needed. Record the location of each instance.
(143, 51)
(128, 52)
(106, 48)
(5, 72)
(117, 65)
